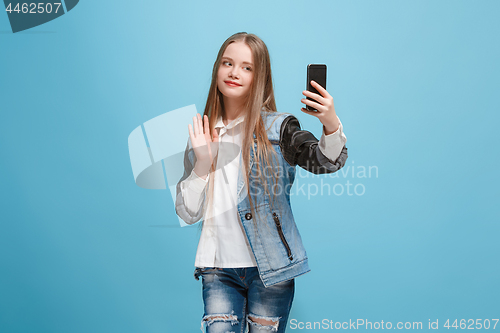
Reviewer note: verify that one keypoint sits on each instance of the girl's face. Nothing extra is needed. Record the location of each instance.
(235, 74)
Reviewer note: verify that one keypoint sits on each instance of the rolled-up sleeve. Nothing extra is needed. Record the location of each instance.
(331, 145)
(300, 147)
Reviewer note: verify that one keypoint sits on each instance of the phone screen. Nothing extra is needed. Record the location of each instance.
(315, 72)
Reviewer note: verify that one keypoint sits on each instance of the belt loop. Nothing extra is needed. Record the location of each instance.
(197, 273)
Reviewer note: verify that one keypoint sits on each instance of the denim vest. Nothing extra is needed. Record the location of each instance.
(272, 233)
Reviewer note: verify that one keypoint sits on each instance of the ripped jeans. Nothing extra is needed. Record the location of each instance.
(236, 301)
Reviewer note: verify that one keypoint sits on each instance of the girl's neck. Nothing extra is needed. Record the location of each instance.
(232, 110)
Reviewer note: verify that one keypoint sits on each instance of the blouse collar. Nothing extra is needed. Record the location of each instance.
(233, 123)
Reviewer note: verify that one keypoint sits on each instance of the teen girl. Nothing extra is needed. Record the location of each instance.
(239, 167)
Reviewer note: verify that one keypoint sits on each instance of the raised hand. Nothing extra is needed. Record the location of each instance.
(205, 148)
(326, 110)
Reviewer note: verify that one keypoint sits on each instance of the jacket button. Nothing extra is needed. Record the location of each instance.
(248, 216)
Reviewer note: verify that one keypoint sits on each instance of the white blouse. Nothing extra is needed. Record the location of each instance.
(223, 242)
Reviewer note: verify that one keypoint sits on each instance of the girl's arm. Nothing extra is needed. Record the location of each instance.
(193, 190)
(190, 191)
(200, 151)
(331, 144)
(301, 148)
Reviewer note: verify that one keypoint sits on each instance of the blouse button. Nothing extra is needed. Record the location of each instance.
(248, 216)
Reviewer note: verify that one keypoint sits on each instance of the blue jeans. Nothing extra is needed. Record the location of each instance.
(234, 297)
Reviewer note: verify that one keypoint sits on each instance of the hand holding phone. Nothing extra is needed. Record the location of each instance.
(326, 113)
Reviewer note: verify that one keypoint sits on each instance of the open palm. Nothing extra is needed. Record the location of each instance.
(205, 148)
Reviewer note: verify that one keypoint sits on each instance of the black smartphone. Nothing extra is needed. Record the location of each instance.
(317, 73)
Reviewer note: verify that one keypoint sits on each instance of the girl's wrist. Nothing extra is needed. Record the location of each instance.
(201, 169)
(331, 127)
(330, 130)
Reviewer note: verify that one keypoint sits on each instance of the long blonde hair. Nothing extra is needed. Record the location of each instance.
(261, 96)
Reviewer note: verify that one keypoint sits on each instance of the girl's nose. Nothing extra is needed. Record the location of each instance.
(234, 73)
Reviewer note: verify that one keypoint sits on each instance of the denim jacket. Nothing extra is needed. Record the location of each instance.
(272, 233)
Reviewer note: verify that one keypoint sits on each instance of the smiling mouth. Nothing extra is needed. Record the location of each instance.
(231, 84)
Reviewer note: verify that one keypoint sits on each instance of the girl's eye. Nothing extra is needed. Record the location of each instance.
(225, 62)
(249, 68)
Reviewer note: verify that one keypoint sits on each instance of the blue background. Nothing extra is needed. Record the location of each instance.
(84, 249)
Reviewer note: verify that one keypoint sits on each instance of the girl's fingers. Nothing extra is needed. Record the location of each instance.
(206, 127)
(191, 135)
(200, 126)
(215, 135)
(315, 105)
(200, 123)
(314, 96)
(195, 126)
(320, 89)
(312, 113)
